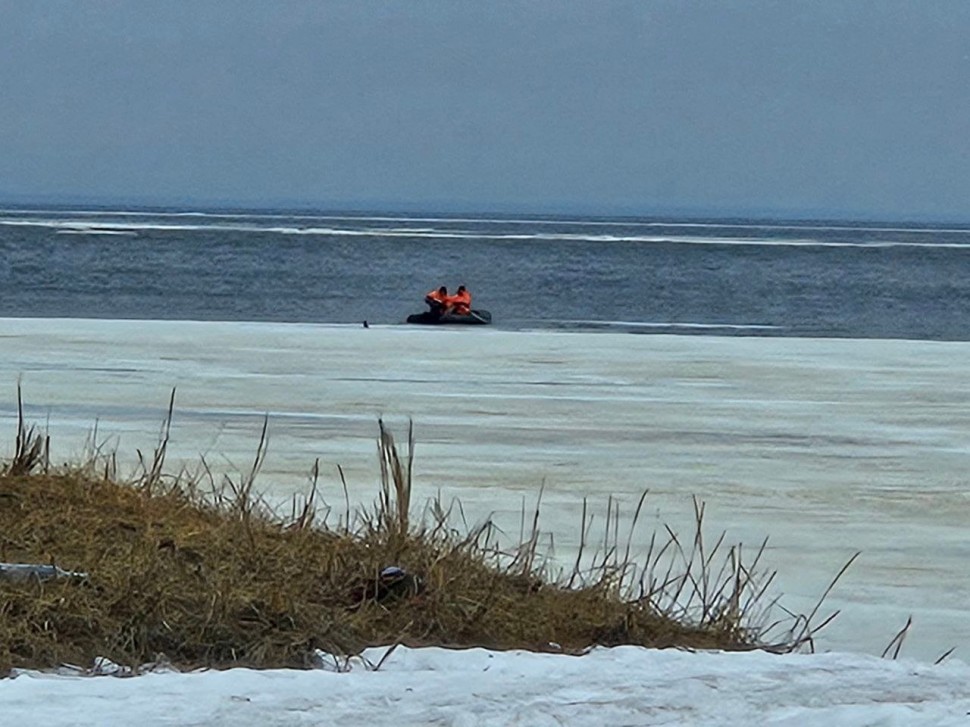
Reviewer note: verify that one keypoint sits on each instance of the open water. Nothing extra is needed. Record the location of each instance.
(741, 277)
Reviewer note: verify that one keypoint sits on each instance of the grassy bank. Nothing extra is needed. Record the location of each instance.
(207, 574)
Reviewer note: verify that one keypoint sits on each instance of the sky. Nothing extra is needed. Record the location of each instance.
(645, 107)
(625, 685)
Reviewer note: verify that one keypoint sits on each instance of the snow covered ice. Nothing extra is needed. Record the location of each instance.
(620, 686)
(826, 447)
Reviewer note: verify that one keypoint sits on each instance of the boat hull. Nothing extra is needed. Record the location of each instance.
(475, 318)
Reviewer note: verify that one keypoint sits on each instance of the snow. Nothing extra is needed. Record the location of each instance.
(620, 686)
(827, 447)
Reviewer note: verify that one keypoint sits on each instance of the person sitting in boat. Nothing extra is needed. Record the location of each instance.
(437, 300)
(460, 303)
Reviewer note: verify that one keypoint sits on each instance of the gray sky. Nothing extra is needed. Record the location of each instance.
(822, 107)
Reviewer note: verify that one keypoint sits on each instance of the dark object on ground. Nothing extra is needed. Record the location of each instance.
(393, 583)
(475, 318)
(20, 572)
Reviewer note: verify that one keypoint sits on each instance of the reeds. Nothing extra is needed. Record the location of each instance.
(31, 449)
(213, 576)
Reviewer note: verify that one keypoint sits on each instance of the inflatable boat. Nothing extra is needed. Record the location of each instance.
(475, 318)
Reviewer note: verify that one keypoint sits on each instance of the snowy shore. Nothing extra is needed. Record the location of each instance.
(826, 447)
(621, 686)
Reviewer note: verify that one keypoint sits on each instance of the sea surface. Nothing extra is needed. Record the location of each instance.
(731, 277)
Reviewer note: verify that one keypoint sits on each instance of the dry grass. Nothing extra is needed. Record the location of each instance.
(209, 575)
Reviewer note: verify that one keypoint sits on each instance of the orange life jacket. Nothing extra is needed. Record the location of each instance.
(461, 303)
(437, 297)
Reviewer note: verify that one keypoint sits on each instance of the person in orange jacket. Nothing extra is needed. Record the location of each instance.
(437, 300)
(460, 303)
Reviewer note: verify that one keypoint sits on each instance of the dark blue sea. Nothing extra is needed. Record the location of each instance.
(731, 277)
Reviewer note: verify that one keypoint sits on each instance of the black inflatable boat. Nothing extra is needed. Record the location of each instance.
(475, 318)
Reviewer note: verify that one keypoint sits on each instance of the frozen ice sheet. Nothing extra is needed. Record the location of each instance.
(827, 447)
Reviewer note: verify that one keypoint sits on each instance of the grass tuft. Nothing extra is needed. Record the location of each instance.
(31, 449)
(185, 570)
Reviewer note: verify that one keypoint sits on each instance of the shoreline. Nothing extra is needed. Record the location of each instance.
(827, 436)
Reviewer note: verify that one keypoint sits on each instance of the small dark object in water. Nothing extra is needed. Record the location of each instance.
(366, 324)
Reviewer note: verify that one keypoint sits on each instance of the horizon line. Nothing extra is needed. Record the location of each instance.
(452, 211)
